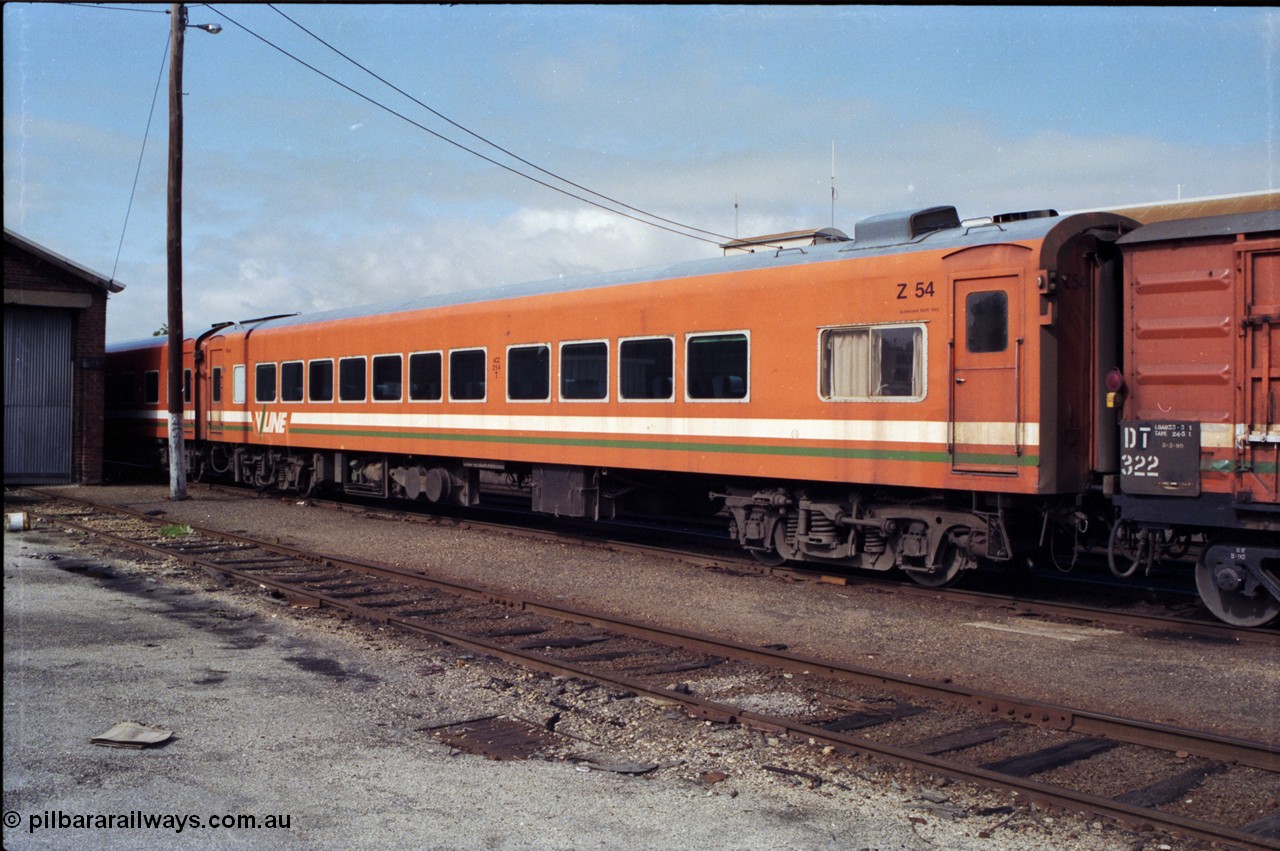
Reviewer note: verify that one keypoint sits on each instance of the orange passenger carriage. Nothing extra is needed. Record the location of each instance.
(927, 396)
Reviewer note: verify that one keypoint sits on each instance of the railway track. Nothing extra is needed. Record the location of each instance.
(704, 557)
(1049, 753)
(697, 549)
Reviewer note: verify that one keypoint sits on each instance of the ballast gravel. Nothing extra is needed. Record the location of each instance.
(332, 724)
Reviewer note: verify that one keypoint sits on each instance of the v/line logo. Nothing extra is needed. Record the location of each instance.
(271, 422)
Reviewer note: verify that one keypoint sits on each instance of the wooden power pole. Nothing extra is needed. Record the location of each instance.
(177, 447)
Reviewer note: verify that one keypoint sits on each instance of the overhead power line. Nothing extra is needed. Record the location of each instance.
(117, 8)
(490, 142)
(637, 215)
(137, 172)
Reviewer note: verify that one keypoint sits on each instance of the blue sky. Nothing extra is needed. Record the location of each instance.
(300, 195)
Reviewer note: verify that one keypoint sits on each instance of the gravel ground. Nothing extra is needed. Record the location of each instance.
(279, 712)
(1192, 682)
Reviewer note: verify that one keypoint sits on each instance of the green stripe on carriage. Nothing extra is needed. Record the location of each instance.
(687, 446)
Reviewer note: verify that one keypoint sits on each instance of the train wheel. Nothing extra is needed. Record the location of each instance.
(936, 579)
(769, 558)
(782, 551)
(1224, 587)
(945, 574)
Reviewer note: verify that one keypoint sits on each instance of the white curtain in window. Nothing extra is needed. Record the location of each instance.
(850, 364)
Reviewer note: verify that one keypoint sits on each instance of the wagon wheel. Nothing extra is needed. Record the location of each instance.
(1226, 590)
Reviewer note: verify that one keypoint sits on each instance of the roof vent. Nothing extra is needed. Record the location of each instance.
(1004, 218)
(895, 228)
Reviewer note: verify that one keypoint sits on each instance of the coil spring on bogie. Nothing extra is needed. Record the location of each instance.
(821, 527)
(873, 541)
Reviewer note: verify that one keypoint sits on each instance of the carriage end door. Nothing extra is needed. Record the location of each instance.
(215, 386)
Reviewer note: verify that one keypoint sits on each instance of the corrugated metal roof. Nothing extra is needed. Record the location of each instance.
(1252, 222)
(1194, 208)
(814, 237)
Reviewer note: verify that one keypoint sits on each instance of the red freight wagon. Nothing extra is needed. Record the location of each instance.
(1201, 403)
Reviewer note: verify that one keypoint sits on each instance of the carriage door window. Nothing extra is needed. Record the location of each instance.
(215, 384)
(986, 321)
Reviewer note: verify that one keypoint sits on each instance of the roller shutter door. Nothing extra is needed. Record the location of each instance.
(38, 350)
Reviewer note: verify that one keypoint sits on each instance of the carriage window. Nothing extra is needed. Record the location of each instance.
(716, 366)
(186, 385)
(986, 325)
(151, 387)
(387, 377)
(529, 373)
(872, 363)
(351, 380)
(264, 382)
(291, 381)
(237, 384)
(320, 381)
(215, 384)
(584, 371)
(466, 375)
(646, 368)
(424, 377)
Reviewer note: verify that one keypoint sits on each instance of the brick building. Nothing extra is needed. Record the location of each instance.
(55, 325)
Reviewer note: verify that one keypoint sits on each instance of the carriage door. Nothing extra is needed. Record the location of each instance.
(215, 387)
(1260, 451)
(986, 434)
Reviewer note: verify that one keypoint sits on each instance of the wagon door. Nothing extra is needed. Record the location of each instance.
(1261, 362)
(986, 416)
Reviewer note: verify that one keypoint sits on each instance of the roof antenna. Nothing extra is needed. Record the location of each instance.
(833, 183)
